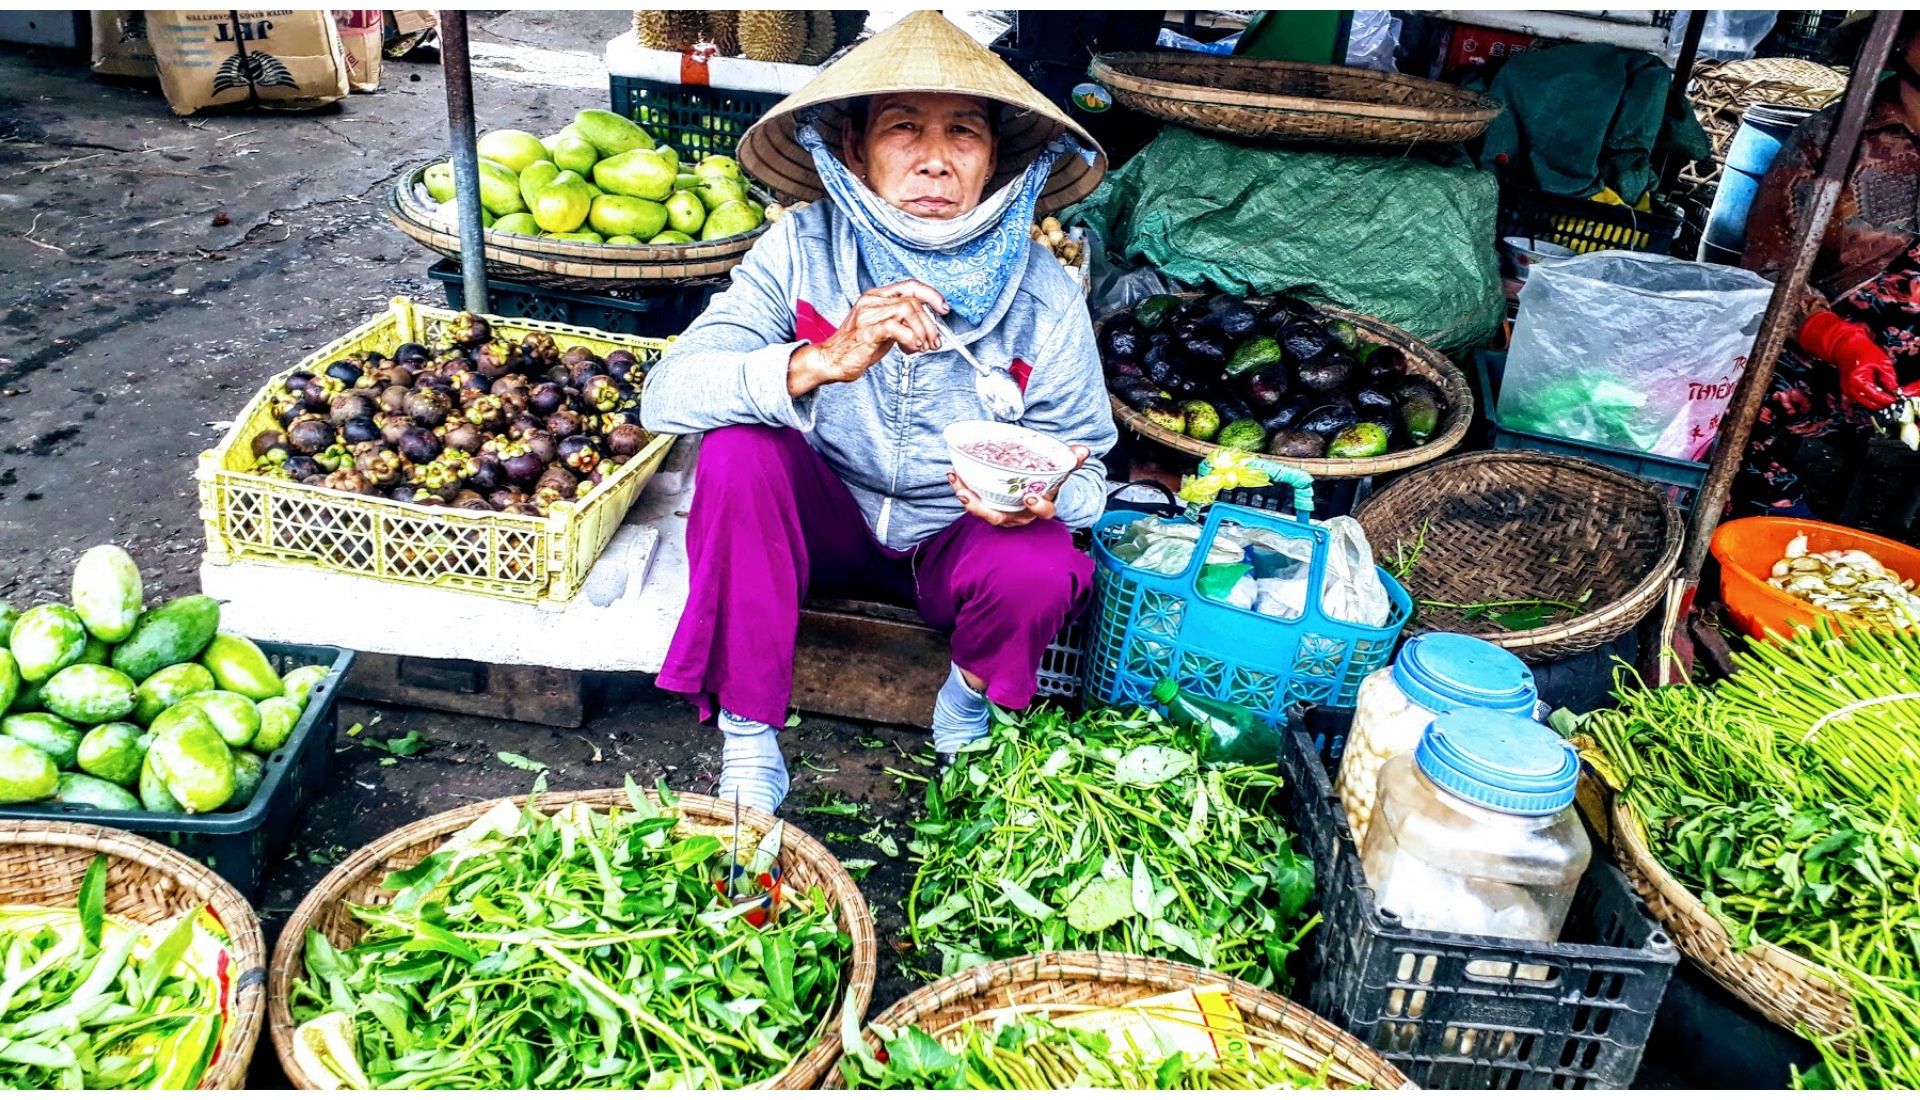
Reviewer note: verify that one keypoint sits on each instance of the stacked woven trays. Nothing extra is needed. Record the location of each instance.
(1721, 92)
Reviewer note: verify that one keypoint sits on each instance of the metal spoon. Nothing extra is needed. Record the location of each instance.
(997, 389)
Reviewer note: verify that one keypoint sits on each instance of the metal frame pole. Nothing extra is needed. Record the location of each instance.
(1736, 427)
(456, 64)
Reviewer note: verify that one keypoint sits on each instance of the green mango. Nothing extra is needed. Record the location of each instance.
(641, 174)
(191, 759)
(500, 189)
(671, 236)
(248, 770)
(47, 732)
(8, 616)
(90, 694)
(233, 715)
(537, 175)
(685, 181)
(26, 773)
(153, 791)
(562, 205)
(685, 213)
(9, 680)
(278, 716)
(28, 700)
(238, 665)
(621, 215)
(730, 220)
(715, 164)
(87, 790)
(107, 592)
(167, 687)
(438, 179)
(522, 224)
(174, 632)
(96, 653)
(47, 639)
(585, 236)
(513, 149)
(573, 153)
(621, 238)
(299, 684)
(113, 752)
(610, 134)
(717, 191)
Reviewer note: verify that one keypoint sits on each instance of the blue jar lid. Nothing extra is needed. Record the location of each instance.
(1499, 761)
(1444, 672)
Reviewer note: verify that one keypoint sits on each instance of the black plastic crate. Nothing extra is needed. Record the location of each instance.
(1803, 34)
(658, 311)
(698, 121)
(1455, 1011)
(241, 844)
(1684, 476)
(1584, 225)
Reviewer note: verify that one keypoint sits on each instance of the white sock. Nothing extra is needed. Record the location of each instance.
(751, 764)
(959, 714)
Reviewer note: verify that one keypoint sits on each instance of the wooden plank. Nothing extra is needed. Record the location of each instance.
(543, 696)
(868, 662)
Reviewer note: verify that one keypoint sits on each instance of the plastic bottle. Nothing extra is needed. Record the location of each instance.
(1233, 732)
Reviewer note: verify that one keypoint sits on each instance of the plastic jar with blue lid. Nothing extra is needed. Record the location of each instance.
(1433, 675)
(1475, 830)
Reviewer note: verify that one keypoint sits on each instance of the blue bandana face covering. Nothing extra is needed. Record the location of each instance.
(969, 259)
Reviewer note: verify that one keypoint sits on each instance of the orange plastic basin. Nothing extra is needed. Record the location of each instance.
(1747, 548)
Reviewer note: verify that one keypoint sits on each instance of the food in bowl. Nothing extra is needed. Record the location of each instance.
(1003, 464)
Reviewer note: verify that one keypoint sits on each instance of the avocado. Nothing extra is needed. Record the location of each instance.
(1327, 371)
(1363, 440)
(1125, 368)
(1138, 392)
(1163, 413)
(1232, 408)
(1289, 413)
(1203, 420)
(1244, 435)
(1232, 316)
(1122, 339)
(1328, 420)
(1343, 332)
(1366, 400)
(1153, 312)
(1419, 414)
(1295, 444)
(1302, 341)
(1253, 355)
(1268, 388)
(1203, 347)
(1384, 364)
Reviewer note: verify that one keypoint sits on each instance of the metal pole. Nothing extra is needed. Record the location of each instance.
(1736, 427)
(1670, 162)
(456, 64)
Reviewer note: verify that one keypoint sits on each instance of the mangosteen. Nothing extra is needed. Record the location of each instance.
(350, 406)
(301, 468)
(488, 474)
(626, 440)
(620, 363)
(579, 454)
(392, 427)
(318, 397)
(587, 369)
(487, 411)
(524, 468)
(361, 429)
(506, 497)
(349, 480)
(419, 445)
(334, 457)
(557, 476)
(510, 385)
(429, 408)
(564, 423)
(393, 399)
(410, 353)
(524, 425)
(344, 371)
(490, 359)
(317, 479)
(309, 434)
(267, 440)
(469, 329)
(393, 374)
(601, 392)
(380, 466)
(471, 501)
(297, 381)
(576, 355)
(546, 399)
(525, 508)
(464, 437)
(543, 444)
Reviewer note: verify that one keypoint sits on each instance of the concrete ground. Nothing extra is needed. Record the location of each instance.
(155, 271)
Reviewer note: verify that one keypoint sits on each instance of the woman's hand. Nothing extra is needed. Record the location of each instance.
(1037, 507)
(882, 319)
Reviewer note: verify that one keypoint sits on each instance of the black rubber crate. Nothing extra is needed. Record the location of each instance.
(1472, 1012)
(698, 121)
(241, 844)
(1584, 225)
(659, 311)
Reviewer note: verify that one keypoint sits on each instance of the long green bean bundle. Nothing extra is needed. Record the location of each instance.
(1788, 799)
(1107, 832)
(587, 949)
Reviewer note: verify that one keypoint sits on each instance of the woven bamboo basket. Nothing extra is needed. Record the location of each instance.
(566, 265)
(44, 862)
(1780, 985)
(805, 863)
(1076, 980)
(1422, 362)
(1522, 525)
(1721, 92)
(1293, 100)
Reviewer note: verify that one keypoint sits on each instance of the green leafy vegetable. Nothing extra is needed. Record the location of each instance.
(524, 763)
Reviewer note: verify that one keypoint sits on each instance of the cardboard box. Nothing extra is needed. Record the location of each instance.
(120, 46)
(279, 58)
(363, 34)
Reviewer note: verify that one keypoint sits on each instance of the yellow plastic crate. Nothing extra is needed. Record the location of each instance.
(536, 559)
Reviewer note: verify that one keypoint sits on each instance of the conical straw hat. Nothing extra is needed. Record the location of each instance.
(921, 53)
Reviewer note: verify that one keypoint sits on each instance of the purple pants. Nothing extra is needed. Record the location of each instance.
(771, 523)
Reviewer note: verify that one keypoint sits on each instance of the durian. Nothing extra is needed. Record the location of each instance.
(723, 30)
(847, 26)
(819, 38)
(773, 35)
(668, 30)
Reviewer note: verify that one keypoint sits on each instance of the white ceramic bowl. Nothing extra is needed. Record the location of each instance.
(1524, 252)
(1002, 488)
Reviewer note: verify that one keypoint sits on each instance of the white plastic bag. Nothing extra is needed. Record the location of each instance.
(1352, 592)
(1371, 41)
(1631, 350)
(1725, 35)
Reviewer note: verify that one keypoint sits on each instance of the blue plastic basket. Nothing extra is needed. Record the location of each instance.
(1149, 625)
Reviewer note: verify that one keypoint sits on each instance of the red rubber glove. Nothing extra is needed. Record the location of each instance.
(1865, 369)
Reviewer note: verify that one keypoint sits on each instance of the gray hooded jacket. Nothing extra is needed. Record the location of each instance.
(882, 432)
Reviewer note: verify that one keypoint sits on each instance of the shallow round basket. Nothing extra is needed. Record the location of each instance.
(1782, 986)
(1422, 362)
(42, 863)
(566, 265)
(1525, 525)
(1293, 100)
(805, 864)
(1075, 980)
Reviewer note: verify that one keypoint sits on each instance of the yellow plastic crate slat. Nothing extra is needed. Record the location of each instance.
(536, 559)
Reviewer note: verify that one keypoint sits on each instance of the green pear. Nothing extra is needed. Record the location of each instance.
(609, 133)
(562, 206)
(514, 148)
(536, 176)
(574, 153)
(522, 224)
(685, 212)
(622, 238)
(730, 220)
(671, 236)
(685, 181)
(439, 180)
(623, 216)
(717, 191)
(639, 174)
(500, 188)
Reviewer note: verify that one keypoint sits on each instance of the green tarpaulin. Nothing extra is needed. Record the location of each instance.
(1387, 234)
